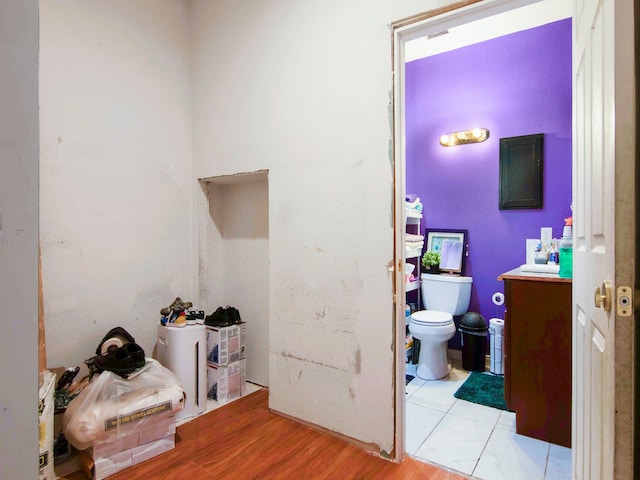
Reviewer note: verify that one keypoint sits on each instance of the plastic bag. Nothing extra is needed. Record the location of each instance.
(111, 407)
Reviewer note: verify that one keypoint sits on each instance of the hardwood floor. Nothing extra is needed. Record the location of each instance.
(243, 440)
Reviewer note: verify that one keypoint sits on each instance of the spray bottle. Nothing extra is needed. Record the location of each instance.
(565, 249)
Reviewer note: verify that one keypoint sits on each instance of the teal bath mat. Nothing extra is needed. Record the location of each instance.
(484, 389)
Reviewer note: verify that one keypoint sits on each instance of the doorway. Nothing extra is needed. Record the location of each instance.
(442, 22)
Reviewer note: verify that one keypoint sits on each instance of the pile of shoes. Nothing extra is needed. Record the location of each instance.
(181, 314)
(118, 352)
(223, 317)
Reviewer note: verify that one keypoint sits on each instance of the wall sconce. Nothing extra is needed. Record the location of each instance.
(476, 135)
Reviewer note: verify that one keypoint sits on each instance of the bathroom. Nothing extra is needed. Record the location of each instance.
(514, 85)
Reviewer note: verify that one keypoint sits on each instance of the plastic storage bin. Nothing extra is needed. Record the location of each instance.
(473, 328)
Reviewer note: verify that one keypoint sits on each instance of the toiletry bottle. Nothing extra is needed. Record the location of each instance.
(553, 253)
(566, 252)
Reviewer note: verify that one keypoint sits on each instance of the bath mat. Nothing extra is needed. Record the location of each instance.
(409, 378)
(483, 389)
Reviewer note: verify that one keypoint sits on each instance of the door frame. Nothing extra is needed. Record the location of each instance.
(404, 30)
(435, 21)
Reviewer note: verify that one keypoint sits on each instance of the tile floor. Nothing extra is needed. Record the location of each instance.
(473, 439)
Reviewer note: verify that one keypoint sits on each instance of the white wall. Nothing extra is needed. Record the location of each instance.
(299, 88)
(116, 180)
(19, 239)
(303, 89)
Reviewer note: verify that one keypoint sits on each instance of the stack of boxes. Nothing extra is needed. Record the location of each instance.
(154, 434)
(226, 362)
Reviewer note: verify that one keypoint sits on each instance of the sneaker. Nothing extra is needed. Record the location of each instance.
(193, 315)
(223, 317)
(178, 320)
(177, 305)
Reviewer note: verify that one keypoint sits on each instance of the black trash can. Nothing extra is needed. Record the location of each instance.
(473, 329)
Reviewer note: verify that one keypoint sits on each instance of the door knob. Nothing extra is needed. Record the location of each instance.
(602, 296)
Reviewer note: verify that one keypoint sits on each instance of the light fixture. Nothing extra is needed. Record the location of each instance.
(475, 135)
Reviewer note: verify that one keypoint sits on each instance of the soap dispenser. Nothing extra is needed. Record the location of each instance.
(565, 249)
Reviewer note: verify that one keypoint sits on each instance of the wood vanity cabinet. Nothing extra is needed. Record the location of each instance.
(537, 364)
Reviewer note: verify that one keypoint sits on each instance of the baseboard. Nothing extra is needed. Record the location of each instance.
(368, 447)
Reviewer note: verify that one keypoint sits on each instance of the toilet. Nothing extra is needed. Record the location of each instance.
(443, 297)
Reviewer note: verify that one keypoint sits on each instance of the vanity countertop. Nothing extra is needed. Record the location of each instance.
(517, 274)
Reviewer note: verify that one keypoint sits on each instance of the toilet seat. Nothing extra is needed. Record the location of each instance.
(431, 318)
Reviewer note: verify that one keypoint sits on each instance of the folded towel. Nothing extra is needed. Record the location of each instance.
(414, 244)
(540, 268)
(412, 237)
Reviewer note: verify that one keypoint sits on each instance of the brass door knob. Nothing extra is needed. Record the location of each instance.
(602, 296)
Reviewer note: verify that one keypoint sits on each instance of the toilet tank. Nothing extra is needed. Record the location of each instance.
(446, 293)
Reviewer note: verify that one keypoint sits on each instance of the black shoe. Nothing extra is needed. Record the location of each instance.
(223, 317)
(122, 361)
(136, 352)
(234, 314)
(215, 319)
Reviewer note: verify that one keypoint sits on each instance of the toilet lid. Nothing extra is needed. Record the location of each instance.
(431, 317)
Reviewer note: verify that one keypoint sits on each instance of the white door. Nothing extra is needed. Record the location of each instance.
(603, 197)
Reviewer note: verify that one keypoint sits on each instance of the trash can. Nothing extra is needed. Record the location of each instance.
(474, 341)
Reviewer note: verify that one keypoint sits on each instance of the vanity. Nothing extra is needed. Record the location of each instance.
(537, 348)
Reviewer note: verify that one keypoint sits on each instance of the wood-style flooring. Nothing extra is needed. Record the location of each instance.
(244, 440)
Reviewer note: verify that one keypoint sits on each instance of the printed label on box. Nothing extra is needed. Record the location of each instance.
(225, 344)
(113, 422)
(225, 383)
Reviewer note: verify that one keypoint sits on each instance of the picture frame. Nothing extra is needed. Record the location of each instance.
(521, 172)
(452, 246)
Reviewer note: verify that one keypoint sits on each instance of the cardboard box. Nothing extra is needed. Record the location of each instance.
(225, 344)
(152, 432)
(102, 467)
(226, 382)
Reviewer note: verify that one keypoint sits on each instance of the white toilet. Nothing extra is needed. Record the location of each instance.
(443, 297)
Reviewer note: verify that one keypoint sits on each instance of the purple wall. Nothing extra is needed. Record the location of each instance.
(518, 84)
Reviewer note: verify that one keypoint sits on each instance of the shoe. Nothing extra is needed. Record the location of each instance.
(234, 314)
(194, 315)
(177, 305)
(177, 320)
(117, 360)
(136, 352)
(223, 317)
(217, 318)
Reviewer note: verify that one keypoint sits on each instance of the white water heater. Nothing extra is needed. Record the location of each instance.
(183, 350)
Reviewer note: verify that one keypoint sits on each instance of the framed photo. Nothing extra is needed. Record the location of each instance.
(452, 247)
(521, 172)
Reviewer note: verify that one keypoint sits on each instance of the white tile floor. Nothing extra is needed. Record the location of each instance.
(473, 439)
